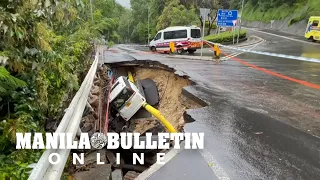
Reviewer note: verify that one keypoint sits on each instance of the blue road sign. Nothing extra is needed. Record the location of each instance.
(225, 23)
(228, 15)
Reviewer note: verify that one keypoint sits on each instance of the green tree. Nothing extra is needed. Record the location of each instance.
(8, 83)
(213, 5)
(176, 14)
(126, 25)
(45, 44)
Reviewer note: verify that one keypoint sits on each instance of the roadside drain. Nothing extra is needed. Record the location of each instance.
(168, 100)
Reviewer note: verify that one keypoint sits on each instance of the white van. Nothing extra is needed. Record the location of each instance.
(126, 98)
(186, 38)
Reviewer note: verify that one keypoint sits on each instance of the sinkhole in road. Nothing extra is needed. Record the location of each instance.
(172, 104)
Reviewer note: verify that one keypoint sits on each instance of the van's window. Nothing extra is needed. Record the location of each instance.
(175, 34)
(168, 35)
(115, 85)
(179, 34)
(315, 23)
(158, 36)
(122, 97)
(195, 33)
(126, 82)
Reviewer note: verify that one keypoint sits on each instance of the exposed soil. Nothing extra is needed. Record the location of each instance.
(172, 104)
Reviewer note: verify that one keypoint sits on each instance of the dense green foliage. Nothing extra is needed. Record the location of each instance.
(266, 10)
(175, 14)
(164, 13)
(225, 36)
(44, 49)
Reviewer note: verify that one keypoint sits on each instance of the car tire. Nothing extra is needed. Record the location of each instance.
(311, 39)
(153, 49)
(191, 51)
(180, 50)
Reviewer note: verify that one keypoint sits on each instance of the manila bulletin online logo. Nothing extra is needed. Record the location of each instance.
(110, 141)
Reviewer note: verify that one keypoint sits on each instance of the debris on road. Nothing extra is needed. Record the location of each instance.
(131, 175)
(258, 133)
(116, 174)
(99, 172)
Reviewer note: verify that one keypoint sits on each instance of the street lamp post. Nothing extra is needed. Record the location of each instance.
(148, 24)
(91, 11)
(242, 6)
(94, 41)
(128, 38)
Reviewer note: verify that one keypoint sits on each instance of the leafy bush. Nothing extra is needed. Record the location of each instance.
(44, 49)
(213, 25)
(266, 10)
(9, 83)
(225, 36)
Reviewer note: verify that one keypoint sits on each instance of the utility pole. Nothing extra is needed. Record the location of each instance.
(128, 31)
(148, 24)
(242, 6)
(204, 22)
(94, 41)
(91, 11)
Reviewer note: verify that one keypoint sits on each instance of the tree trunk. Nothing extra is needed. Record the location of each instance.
(209, 28)
(201, 22)
(210, 22)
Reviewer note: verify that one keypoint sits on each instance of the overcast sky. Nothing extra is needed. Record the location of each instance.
(125, 3)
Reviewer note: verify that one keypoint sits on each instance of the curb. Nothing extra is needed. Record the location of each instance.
(253, 43)
(231, 42)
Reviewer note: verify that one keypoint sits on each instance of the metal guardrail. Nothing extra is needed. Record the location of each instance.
(69, 124)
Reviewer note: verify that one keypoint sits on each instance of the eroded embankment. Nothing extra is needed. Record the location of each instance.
(172, 105)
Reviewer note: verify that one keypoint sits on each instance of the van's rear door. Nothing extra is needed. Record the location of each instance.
(195, 37)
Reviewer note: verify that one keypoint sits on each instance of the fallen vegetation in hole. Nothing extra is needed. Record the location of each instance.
(171, 103)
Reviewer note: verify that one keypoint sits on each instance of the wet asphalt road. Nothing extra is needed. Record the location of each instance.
(257, 125)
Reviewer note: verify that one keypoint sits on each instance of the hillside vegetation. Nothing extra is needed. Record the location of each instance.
(164, 13)
(225, 36)
(44, 47)
(266, 10)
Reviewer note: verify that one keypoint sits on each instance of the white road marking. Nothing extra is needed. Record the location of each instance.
(300, 58)
(214, 165)
(281, 36)
(227, 55)
(237, 54)
(155, 167)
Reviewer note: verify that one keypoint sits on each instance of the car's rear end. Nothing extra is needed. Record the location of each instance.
(313, 29)
(194, 39)
(126, 98)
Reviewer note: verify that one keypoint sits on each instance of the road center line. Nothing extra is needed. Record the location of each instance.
(305, 83)
(292, 39)
(237, 54)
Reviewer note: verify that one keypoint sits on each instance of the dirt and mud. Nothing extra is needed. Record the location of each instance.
(172, 104)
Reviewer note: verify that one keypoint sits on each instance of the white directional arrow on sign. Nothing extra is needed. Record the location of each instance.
(234, 22)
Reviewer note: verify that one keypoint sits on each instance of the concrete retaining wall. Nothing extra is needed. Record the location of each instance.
(297, 28)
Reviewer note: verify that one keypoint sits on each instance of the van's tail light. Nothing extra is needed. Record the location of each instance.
(128, 104)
